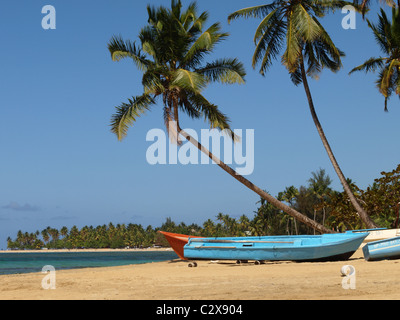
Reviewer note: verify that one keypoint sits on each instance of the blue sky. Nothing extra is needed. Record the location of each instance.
(60, 164)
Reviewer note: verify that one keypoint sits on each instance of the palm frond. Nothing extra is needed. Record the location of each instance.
(273, 48)
(395, 27)
(176, 6)
(270, 44)
(121, 49)
(264, 25)
(198, 24)
(326, 56)
(328, 44)
(305, 24)
(388, 73)
(188, 80)
(211, 113)
(381, 32)
(314, 66)
(327, 61)
(295, 76)
(152, 82)
(204, 43)
(380, 83)
(397, 84)
(386, 88)
(228, 71)
(371, 64)
(293, 48)
(127, 114)
(147, 37)
(152, 14)
(253, 12)
(187, 107)
(188, 17)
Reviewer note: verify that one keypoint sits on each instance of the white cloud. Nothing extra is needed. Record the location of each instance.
(17, 207)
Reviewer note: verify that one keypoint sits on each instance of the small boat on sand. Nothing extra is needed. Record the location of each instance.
(378, 234)
(326, 247)
(382, 250)
(177, 242)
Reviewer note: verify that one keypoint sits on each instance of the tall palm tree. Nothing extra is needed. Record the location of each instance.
(387, 35)
(244, 225)
(293, 25)
(45, 235)
(289, 195)
(319, 187)
(64, 231)
(171, 52)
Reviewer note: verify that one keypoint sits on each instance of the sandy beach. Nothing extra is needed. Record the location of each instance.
(174, 280)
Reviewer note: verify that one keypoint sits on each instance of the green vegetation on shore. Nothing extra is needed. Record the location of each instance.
(317, 199)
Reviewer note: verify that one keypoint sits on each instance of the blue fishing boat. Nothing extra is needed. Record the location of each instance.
(382, 250)
(326, 247)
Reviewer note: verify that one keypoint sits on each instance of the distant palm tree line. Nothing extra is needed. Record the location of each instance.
(317, 200)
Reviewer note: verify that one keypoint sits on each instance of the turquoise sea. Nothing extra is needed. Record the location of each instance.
(13, 263)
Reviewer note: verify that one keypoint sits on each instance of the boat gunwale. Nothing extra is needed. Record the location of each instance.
(383, 240)
(296, 244)
(372, 245)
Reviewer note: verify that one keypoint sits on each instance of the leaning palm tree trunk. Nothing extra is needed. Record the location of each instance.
(297, 215)
(363, 215)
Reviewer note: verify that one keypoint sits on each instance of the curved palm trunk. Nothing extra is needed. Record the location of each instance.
(297, 215)
(363, 215)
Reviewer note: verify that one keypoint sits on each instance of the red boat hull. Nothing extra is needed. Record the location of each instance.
(177, 242)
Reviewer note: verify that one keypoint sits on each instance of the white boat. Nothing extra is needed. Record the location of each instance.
(378, 234)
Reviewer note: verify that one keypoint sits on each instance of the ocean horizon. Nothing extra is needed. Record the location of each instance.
(30, 262)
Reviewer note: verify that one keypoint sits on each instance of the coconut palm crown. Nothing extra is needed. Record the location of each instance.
(293, 26)
(171, 53)
(387, 35)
